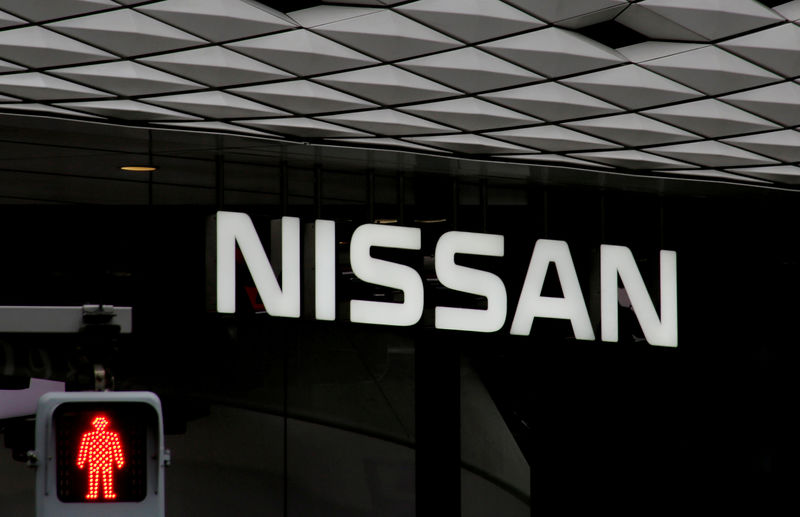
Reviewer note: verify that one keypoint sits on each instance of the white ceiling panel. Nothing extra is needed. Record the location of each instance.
(303, 127)
(711, 154)
(127, 110)
(468, 143)
(42, 87)
(789, 10)
(216, 104)
(387, 35)
(655, 25)
(470, 70)
(647, 50)
(37, 47)
(5, 66)
(127, 78)
(216, 66)
(552, 101)
(388, 123)
(302, 52)
(711, 70)
(713, 19)
(386, 142)
(222, 127)
(594, 17)
(303, 97)
(9, 20)
(634, 130)
(325, 14)
(219, 21)
(704, 85)
(711, 118)
(126, 32)
(44, 10)
(632, 159)
(783, 145)
(714, 174)
(631, 86)
(554, 52)
(563, 10)
(789, 174)
(552, 139)
(471, 114)
(471, 20)
(777, 48)
(549, 159)
(48, 109)
(388, 85)
(778, 102)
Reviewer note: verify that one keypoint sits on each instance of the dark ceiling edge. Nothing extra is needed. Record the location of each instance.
(650, 181)
(286, 6)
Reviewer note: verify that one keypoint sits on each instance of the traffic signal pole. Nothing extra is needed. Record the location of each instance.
(96, 452)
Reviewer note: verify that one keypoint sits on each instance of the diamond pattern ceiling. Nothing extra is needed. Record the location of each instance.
(709, 89)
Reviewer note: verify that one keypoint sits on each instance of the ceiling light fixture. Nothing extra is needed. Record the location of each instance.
(138, 168)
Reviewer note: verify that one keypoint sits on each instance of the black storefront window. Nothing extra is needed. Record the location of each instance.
(349, 419)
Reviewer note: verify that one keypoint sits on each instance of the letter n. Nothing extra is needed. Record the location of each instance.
(618, 261)
(234, 228)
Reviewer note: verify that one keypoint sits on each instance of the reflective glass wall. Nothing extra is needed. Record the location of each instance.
(277, 416)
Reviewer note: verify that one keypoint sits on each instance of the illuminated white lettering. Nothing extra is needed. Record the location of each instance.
(468, 280)
(234, 228)
(618, 261)
(531, 302)
(325, 270)
(617, 264)
(388, 274)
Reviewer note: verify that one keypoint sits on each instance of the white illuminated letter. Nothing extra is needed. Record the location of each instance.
(325, 270)
(531, 302)
(389, 274)
(468, 280)
(618, 260)
(233, 228)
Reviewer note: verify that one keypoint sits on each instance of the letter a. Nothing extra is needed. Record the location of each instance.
(531, 302)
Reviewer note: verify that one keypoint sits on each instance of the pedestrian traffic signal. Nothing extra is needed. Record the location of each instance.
(99, 453)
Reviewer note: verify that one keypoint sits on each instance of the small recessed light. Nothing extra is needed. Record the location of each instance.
(138, 168)
(385, 221)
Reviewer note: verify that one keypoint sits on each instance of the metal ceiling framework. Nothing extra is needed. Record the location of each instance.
(709, 91)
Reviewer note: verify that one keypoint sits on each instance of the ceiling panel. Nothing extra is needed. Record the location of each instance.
(706, 84)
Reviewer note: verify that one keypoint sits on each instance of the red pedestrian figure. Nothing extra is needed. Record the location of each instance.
(100, 449)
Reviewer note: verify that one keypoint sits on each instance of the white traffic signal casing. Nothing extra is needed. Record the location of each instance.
(100, 454)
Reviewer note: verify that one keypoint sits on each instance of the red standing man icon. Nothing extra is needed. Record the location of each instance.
(100, 449)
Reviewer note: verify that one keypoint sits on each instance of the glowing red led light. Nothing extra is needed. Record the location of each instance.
(100, 450)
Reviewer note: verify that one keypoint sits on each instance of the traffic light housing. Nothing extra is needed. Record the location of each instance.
(99, 454)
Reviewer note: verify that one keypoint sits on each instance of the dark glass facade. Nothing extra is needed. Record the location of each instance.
(279, 416)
